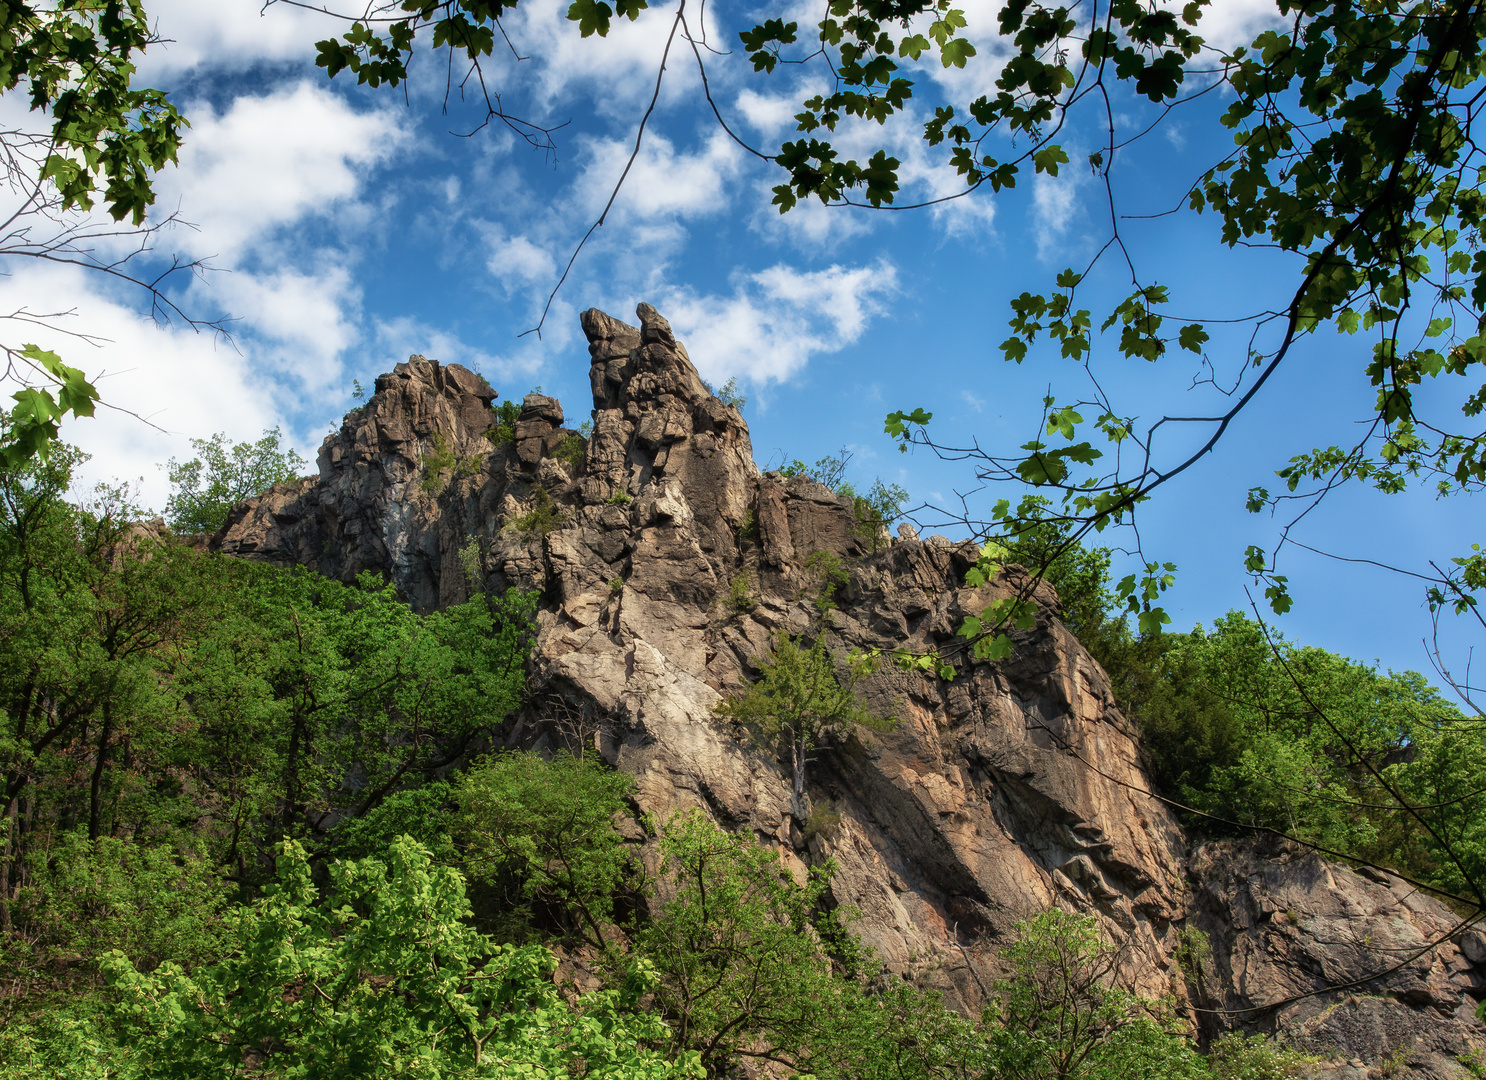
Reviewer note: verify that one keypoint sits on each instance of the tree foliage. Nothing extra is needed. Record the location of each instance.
(543, 833)
(105, 139)
(208, 486)
(167, 715)
(744, 952)
(387, 979)
(802, 701)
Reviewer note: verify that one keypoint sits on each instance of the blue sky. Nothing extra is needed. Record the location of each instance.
(347, 229)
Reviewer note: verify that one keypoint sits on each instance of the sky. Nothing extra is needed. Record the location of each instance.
(341, 229)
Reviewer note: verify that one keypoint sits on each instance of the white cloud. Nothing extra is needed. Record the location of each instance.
(1227, 24)
(663, 183)
(772, 114)
(187, 383)
(271, 161)
(515, 260)
(300, 322)
(252, 174)
(616, 74)
(229, 35)
(1055, 204)
(397, 339)
(776, 320)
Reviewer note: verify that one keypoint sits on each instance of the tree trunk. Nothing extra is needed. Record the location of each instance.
(95, 793)
(12, 842)
(799, 806)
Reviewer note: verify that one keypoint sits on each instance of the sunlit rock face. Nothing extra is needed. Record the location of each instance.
(1015, 786)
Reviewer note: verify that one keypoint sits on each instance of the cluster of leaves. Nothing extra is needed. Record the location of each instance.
(1063, 1011)
(803, 699)
(541, 834)
(543, 517)
(75, 63)
(506, 414)
(207, 487)
(33, 424)
(441, 465)
(169, 715)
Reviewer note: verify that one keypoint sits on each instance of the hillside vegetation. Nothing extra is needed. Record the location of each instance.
(255, 823)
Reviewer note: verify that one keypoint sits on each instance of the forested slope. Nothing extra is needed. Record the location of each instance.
(501, 748)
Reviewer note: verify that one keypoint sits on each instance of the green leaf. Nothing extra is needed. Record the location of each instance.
(1048, 158)
(592, 17)
(1192, 337)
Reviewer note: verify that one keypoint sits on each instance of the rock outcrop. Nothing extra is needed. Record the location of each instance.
(667, 566)
(1358, 968)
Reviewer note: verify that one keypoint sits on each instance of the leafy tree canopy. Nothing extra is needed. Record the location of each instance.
(801, 701)
(74, 61)
(208, 486)
(390, 981)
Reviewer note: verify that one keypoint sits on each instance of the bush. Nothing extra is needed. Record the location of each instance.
(87, 897)
(728, 394)
(1062, 1013)
(824, 821)
(744, 953)
(423, 813)
(384, 978)
(570, 450)
(739, 600)
(1236, 1056)
(541, 834)
(542, 518)
(208, 486)
(875, 512)
(442, 465)
(504, 430)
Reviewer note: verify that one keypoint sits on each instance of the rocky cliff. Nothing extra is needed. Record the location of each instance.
(667, 565)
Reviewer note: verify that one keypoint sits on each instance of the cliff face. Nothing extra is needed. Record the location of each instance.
(668, 564)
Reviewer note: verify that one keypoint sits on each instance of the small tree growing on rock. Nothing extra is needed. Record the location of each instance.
(802, 701)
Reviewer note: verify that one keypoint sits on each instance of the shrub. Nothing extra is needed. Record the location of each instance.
(385, 979)
(828, 573)
(505, 422)
(824, 820)
(542, 518)
(570, 450)
(728, 394)
(739, 599)
(620, 498)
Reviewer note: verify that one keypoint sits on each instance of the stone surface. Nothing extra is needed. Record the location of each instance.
(1016, 785)
(1298, 943)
